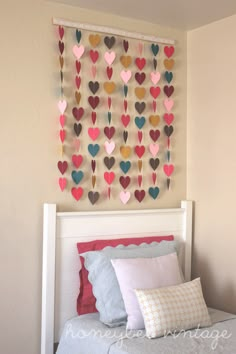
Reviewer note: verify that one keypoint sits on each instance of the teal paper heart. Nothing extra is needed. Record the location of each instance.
(109, 117)
(155, 49)
(78, 35)
(168, 155)
(125, 90)
(125, 166)
(154, 191)
(77, 176)
(168, 76)
(93, 149)
(140, 121)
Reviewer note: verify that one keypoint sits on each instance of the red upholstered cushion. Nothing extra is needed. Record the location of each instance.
(86, 301)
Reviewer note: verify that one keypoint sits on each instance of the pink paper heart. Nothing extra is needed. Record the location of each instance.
(94, 117)
(109, 102)
(61, 31)
(93, 133)
(169, 51)
(76, 144)
(62, 135)
(109, 147)
(168, 103)
(77, 160)
(155, 91)
(154, 106)
(155, 77)
(94, 71)
(62, 120)
(109, 177)
(78, 51)
(140, 136)
(62, 183)
(125, 118)
(125, 75)
(154, 177)
(124, 197)
(62, 104)
(109, 57)
(125, 105)
(154, 148)
(168, 117)
(77, 192)
(140, 179)
(168, 169)
(78, 81)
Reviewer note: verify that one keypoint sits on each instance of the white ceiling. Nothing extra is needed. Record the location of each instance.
(182, 14)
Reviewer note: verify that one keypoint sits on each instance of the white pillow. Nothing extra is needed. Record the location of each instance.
(173, 308)
(145, 273)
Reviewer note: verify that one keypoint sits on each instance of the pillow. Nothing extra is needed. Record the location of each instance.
(102, 276)
(174, 308)
(144, 273)
(86, 301)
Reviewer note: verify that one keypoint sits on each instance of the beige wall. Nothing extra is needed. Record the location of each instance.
(211, 172)
(28, 154)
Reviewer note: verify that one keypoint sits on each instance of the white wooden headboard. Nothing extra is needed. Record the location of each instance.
(61, 232)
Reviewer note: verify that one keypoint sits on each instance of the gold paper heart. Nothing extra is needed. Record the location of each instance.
(140, 92)
(61, 61)
(109, 87)
(169, 63)
(126, 60)
(125, 151)
(154, 120)
(140, 165)
(77, 97)
(93, 181)
(94, 39)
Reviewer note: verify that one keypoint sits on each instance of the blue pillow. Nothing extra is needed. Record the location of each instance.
(109, 301)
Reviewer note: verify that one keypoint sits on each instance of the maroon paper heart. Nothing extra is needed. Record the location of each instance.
(154, 163)
(61, 47)
(93, 101)
(124, 181)
(139, 150)
(93, 197)
(93, 165)
(78, 66)
(93, 86)
(62, 166)
(109, 41)
(109, 132)
(154, 134)
(109, 162)
(109, 72)
(168, 130)
(125, 45)
(125, 105)
(78, 113)
(61, 32)
(140, 77)
(140, 62)
(168, 90)
(125, 135)
(140, 107)
(77, 129)
(94, 117)
(139, 195)
(154, 63)
(94, 55)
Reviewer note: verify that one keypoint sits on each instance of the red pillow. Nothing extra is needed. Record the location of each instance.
(86, 301)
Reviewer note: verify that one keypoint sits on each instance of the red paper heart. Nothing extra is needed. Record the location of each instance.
(140, 77)
(77, 192)
(140, 62)
(154, 177)
(125, 118)
(124, 181)
(139, 195)
(109, 132)
(109, 72)
(62, 120)
(169, 51)
(168, 169)
(169, 117)
(140, 150)
(78, 66)
(62, 166)
(155, 91)
(62, 135)
(140, 136)
(78, 81)
(168, 90)
(78, 113)
(109, 177)
(93, 101)
(61, 31)
(93, 165)
(77, 160)
(94, 117)
(140, 179)
(62, 183)
(154, 134)
(154, 106)
(125, 105)
(94, 55)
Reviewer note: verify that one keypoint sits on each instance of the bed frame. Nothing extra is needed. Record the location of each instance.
(61, 232)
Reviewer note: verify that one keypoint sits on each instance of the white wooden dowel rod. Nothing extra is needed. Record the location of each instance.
(188, 206)
(110, 30)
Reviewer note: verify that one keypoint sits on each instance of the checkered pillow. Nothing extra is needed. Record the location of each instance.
(173, 308)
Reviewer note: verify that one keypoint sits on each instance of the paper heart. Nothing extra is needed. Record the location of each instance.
(125, 75)
(109, 72)
(61, 61)
(93, 86)
(77, 193)
(154, 177)
(77, 160)
(155, 49)
(126, 60)
(78, 113)
(109, 147)
(77, 97)
(154, 63)
(140, 77)
(94, 55)
(125, 105)
(155, 91)
(61, 47)
(93, 101)
(140, 92)
(154, 163)
(140, 62)
(62, 104)
(62, 166)
(140, 48)
(155, 77)
(109, 41)
(140, 136)
(168, 76)
(139, 195)
(62, 120)
(109, 132)
(125, 135)
(77, 129)
(62, 77)
(125, 45)
(168, 155)
(94, 39)
(168, 103)
(93, 149)
(109, 162)
(169, 117)
(154, 148)
(62, 135)
(140, 179)
(140, 107)
(109, 107)
(93, 197)
(169, 51)
(140, 165)
(62, 183)
(78, 51)
(125, 119)
(125, 151)
(61, 31)
(124, 181)
(109, 87)
(93, 117)
(78, 35)
(140, 121)
(124, 197)
(125, 166)
(154, 120)
(76, 143)
(94, 178)
(78, 66)
(109, 117)
(109, 57)
(154, 106)
(139, 150)
(93, 133)
(154, 134)
(77, 176)
(168, 90)
(78, 81)
(169, 63)
(109, 177)
(168, 130)
(93, 166)
(168, 169)
(94, 71)
(154, 191)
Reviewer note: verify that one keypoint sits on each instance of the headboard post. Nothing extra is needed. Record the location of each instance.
(187, 205)
(48, 278)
